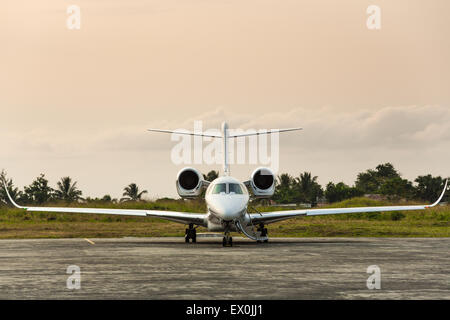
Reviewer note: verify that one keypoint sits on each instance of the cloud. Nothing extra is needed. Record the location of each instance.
(406, 127)
(334, 145)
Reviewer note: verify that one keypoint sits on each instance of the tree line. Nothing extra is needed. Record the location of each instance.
(384, 180)
(39, 192)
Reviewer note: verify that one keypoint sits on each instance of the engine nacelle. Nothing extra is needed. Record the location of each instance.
(190, 183)
(262, 183)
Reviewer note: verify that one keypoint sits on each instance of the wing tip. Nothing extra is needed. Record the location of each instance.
(9, 196)
(441, 196)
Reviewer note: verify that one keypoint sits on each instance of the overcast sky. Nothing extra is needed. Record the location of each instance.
(78, 102)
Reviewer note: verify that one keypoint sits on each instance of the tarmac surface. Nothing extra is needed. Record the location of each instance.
(168, 268)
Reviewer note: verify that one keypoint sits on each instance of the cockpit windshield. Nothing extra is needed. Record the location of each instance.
(226, 188)
(219, 188)
(235, 188)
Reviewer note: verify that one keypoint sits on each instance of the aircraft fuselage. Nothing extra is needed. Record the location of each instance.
(227, 200)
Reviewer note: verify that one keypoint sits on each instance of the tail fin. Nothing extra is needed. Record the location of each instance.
(225, 136)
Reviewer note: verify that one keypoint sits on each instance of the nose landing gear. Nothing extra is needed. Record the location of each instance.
(227, 240)
(190, 234)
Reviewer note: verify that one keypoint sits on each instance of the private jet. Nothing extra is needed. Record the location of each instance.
(227, 199)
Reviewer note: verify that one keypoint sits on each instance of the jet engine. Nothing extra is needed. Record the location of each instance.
(262, 183)
(190, 183)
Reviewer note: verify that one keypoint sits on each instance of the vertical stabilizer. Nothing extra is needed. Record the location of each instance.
(225, 151)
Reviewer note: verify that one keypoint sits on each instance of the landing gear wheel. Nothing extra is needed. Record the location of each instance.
(190, 233)
(227, 241)
(263, 233)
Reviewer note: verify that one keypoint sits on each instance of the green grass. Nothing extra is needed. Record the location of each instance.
(16, 223)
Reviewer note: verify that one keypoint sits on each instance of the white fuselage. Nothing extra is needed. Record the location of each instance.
(227, 200)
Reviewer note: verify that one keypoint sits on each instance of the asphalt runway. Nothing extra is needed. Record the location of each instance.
(167, 268)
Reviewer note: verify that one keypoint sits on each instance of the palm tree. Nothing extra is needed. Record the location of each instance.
(67, 191)
(283, 189)
(132, 193)
(307, 188)
(211, 176)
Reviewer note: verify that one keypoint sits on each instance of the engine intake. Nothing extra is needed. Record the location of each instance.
(262, 183)
(189, 183)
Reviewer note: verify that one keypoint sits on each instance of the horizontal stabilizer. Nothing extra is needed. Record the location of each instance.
(238, 135)
(198, 134)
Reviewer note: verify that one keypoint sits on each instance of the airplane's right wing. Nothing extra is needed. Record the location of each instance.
(275, 216)
(181, 217)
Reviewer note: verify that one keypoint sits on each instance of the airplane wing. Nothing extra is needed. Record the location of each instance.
(275, 216)
(181, 217)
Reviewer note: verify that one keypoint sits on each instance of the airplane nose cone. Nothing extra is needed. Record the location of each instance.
(225, 213)
(228, 211)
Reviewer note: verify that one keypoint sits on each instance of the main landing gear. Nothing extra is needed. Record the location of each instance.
(264, 233)
(227, 240)
(190, 234)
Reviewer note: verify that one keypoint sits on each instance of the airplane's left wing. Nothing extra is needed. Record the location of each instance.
(181, 217)
(275, 216)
